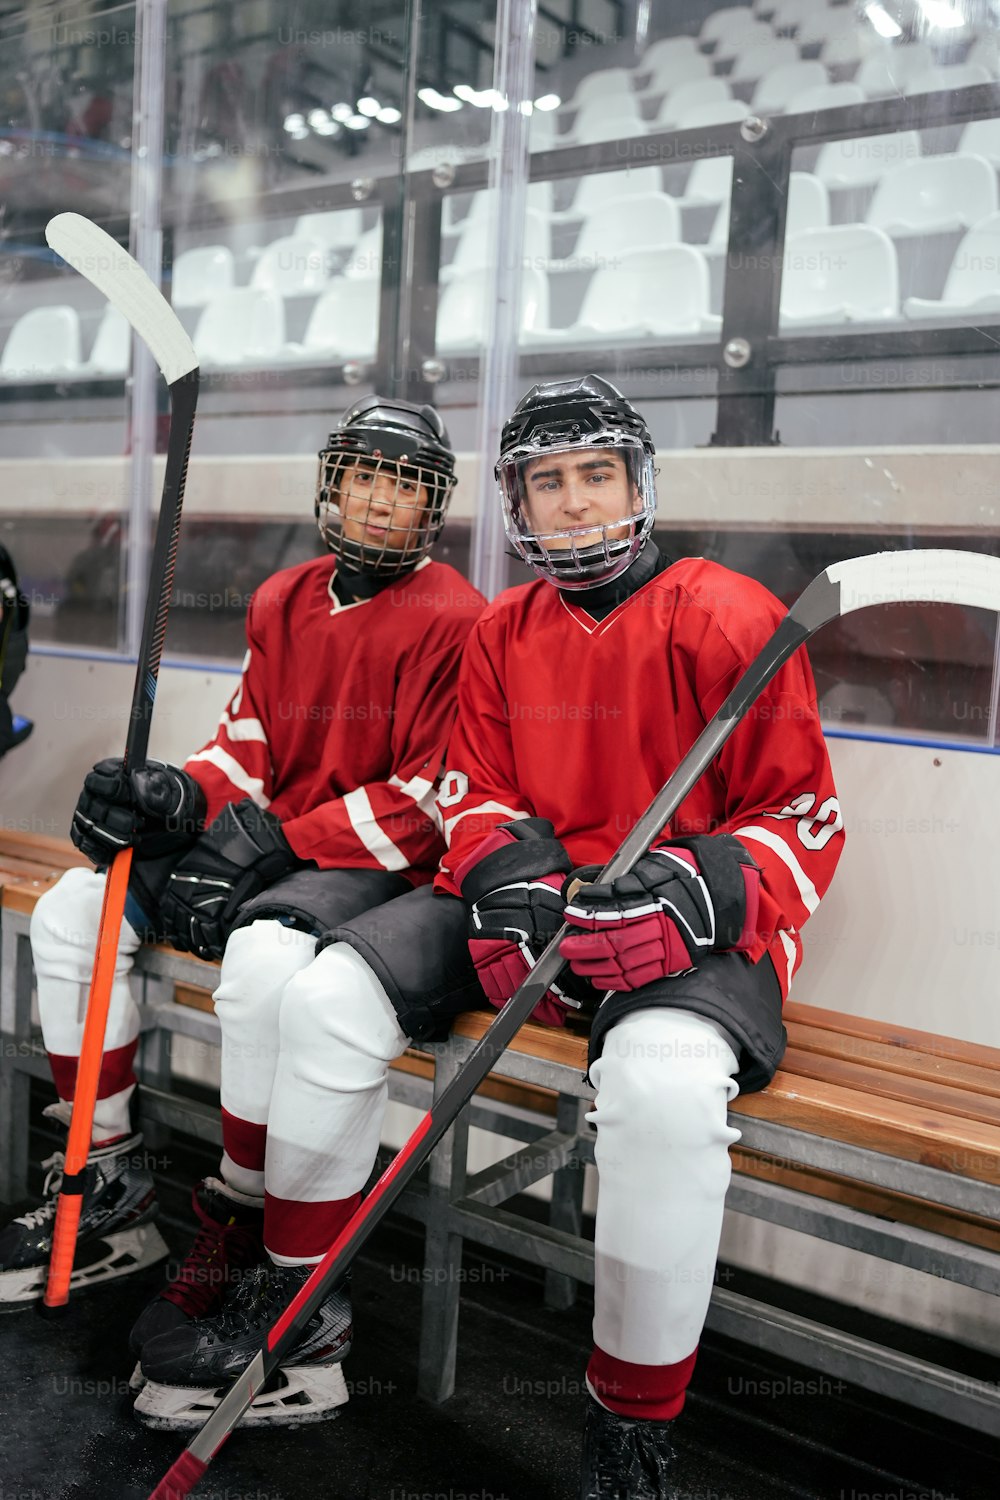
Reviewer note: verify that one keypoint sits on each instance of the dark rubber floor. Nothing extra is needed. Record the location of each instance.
(754, 1426)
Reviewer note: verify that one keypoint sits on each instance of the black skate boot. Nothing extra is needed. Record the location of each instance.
(229, 1242)
(188, 1370)
(626, 1458)
(116, 1237)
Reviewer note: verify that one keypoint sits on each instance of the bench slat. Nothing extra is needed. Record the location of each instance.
(60, 853)
(973, 1053)
(919, 1092)
(965, 1148)
(889, 1059)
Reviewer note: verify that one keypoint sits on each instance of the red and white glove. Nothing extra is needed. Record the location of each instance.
(681, 900)
(512, 884)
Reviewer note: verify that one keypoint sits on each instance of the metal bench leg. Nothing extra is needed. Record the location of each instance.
(16, 976)
(567, 1202)
(442, 1253)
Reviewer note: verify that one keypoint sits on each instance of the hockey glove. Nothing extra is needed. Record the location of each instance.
(511, 885)
(156, 810)
(238, 855)
(682, 900)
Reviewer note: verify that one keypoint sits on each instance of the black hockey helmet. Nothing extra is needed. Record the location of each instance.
(384, 433)
(563, 416)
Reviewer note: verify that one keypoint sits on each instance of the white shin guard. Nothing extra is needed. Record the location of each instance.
(64, 927)
(663, 1082)
(339, 1032)
(258, 963)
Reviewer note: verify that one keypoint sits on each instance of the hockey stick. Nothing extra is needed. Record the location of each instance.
(883, 578)
(127, 287)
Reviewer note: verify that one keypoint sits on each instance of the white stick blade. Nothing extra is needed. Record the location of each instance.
(92, 252)
(931, 576)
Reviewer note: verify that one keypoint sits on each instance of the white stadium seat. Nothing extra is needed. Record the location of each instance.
(343, 324)
(338, 228)
(661, 293)
(788, 15)
(476, 248)
(735, 40)
(465, 303)
(675, 108)
(972, 287)
(845, 49)
(955, 76)
(843, 274)
(112, 345)
(666, 50)
(673, 72)
(808, 208)
(601, 120)
(886, 72)
(764, 57)
(623, 224)
(365, 258)
(543, 130)
(606, 84)
(539, 199)
(200, 274)
(710, 181)
(245, 325)
(42, 345)
(731, 20)
(861, 160)
(721, 112)
(292, 265)
(604, 187)
(985, 51)
(982, 138)
(777, 88)
(934, 195)
(825, 96)
(821, 25)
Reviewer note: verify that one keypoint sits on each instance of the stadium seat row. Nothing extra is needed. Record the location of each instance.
(831, 276)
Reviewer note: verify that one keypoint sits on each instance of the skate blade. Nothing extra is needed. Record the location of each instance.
(121, 1253)
(137, 1379)
(296, 1397)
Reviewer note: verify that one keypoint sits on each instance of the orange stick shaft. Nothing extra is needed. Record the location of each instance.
(88, 1073)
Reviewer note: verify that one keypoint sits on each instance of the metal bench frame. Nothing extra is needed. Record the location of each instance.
(455, 1206)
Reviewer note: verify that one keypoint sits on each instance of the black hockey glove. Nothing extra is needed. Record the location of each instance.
(511, 885)
(681, 900)
(157, 810)
(238, 855)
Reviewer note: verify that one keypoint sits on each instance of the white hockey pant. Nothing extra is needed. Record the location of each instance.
(663, 1084)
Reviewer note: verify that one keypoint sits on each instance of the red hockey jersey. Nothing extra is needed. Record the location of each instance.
(341, 718)
(581, 722)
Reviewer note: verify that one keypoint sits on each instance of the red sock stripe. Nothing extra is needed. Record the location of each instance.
(652, 1392)
(303, 1230)
(116, 1072)
(244, 1142)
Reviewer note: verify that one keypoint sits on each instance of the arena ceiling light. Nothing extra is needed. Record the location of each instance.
(882, 21)
(434, 100)
(481, 98)
(369, 106)
(294, 123)
(357, 122)
(389, 115)
(341, 112)
(547, 102)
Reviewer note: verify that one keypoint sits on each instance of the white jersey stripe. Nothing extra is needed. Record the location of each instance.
(243, 729)
(807, 891)
(481, 807)
(791, 952)
(251, 786)
(423, 793)
(364, 823)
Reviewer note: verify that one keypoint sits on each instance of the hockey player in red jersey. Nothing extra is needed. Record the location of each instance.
(312, 803)
(579, 694)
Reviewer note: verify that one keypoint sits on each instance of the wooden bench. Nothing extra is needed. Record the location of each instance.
(872, 1136)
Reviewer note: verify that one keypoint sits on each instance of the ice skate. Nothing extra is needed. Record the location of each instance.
(117, 1236)
(188, 1370)
(626, 1458)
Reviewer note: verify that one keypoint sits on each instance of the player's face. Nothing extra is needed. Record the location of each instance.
(587, 487)
(383, 505)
